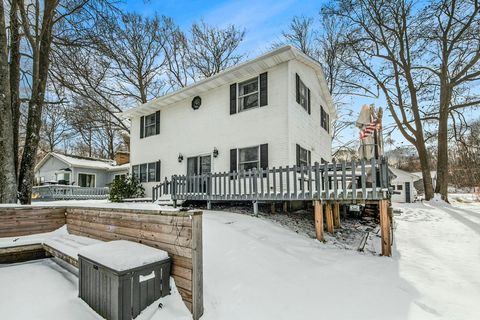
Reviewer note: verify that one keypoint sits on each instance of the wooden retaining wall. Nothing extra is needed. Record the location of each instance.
(22, 221)
(178, 233)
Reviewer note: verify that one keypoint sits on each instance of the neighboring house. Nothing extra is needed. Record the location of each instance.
(57, 168)
(403, 185)
(274, 110)
(419, 183)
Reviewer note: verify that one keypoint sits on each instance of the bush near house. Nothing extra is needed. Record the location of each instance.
(126, 187)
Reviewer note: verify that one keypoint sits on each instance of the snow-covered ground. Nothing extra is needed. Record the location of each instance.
(256, 269)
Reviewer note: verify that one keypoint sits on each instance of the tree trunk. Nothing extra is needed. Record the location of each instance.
(8, 181)
(41, 60)
(15, 78)
(442, 142)
(425, 166)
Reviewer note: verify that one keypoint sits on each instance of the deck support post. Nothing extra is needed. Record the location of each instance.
(336, 214)
(209, 205)
(272, 207)
(255, 208)
(174, 203)
(318, 210)
(385, 228)
(285, 207)
(329, 217)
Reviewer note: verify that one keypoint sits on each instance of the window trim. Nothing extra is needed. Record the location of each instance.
(154, 164)
(240, 97)
(152, 125)
(324, 117)
(63, 172)
(87, 173)
(299, 161)
(258, 157)
(307, 98)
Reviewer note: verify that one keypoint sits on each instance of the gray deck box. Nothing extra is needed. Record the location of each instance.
(122, 289)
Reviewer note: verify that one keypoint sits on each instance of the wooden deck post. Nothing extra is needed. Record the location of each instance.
(318, 207)
(272, 207)
(385, 227)
(209, 205)
(255, 208)
(329, 217)
(336, 214)
(285, 207)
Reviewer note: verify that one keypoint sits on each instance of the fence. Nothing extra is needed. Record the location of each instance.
(330, 181)
(58, 192)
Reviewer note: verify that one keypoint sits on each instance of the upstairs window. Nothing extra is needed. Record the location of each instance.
(324, 119)
(150, 125)
(248, 94)
(302, 94)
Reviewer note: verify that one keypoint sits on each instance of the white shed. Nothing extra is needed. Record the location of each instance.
(402, 184)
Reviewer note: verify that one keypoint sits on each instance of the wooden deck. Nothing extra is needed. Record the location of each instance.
(340, 182)
(61, 192)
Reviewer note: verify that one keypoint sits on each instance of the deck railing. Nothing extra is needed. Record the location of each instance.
(330, 181)
(60, 192)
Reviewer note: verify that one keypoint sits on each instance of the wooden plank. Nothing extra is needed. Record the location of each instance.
(289, 195)
(329, 217)
(280, 182)
(197, 264)
(336, 214)
(354, 180)
(335, 181)
(385, 228)
(318, 207)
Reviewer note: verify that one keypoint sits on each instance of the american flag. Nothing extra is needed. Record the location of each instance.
(369, 129)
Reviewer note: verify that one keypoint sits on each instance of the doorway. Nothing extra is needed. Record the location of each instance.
(407, 192)
(198, 165)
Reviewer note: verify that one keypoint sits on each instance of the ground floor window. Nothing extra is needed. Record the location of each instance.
(303, 156)
(146, 172)
(86, 180)
(62, 177)
(120, 176)
(248, 158)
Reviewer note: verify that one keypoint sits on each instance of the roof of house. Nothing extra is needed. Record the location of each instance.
(230, 75)
(420, 175)
(401, 173)
(84, 162)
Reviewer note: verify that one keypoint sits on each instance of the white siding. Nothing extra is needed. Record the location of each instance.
(282, 124)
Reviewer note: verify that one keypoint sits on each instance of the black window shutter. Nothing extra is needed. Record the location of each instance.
(233, 98)
(142, 126)
(298, 155)
(233, 160)
(328, 122)
(263, 89)
(308, 103)
(322, 115)
(297, 87)
(264, 156)
(309, 157)
(157, 122)
(157, 171)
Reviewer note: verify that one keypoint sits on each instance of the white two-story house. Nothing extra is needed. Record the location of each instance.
(274, 110)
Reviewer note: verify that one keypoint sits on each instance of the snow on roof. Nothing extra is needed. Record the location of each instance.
(420, 176)
(233, 74)
(84, 162)
(401, 173)
(122, 255)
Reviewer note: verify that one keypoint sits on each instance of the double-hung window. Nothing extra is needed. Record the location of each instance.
(303, 156)
(248, 158)
(248, 94)
(302, 94)
(151, 171)
(86, 180)
(143, 172)
(324, 119)
(150, 125)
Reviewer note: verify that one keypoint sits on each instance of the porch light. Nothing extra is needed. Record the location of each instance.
(215, 152)
(180, 157)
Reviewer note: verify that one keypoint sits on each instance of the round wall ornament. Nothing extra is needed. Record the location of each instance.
(196, 102)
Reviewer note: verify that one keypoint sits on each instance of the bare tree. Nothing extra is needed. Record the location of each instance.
(8, 185)
(382, 37)
(176, 52)
(134, 45)
(213, 49)
(451, 32)
(301, 33)
(55, 128)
